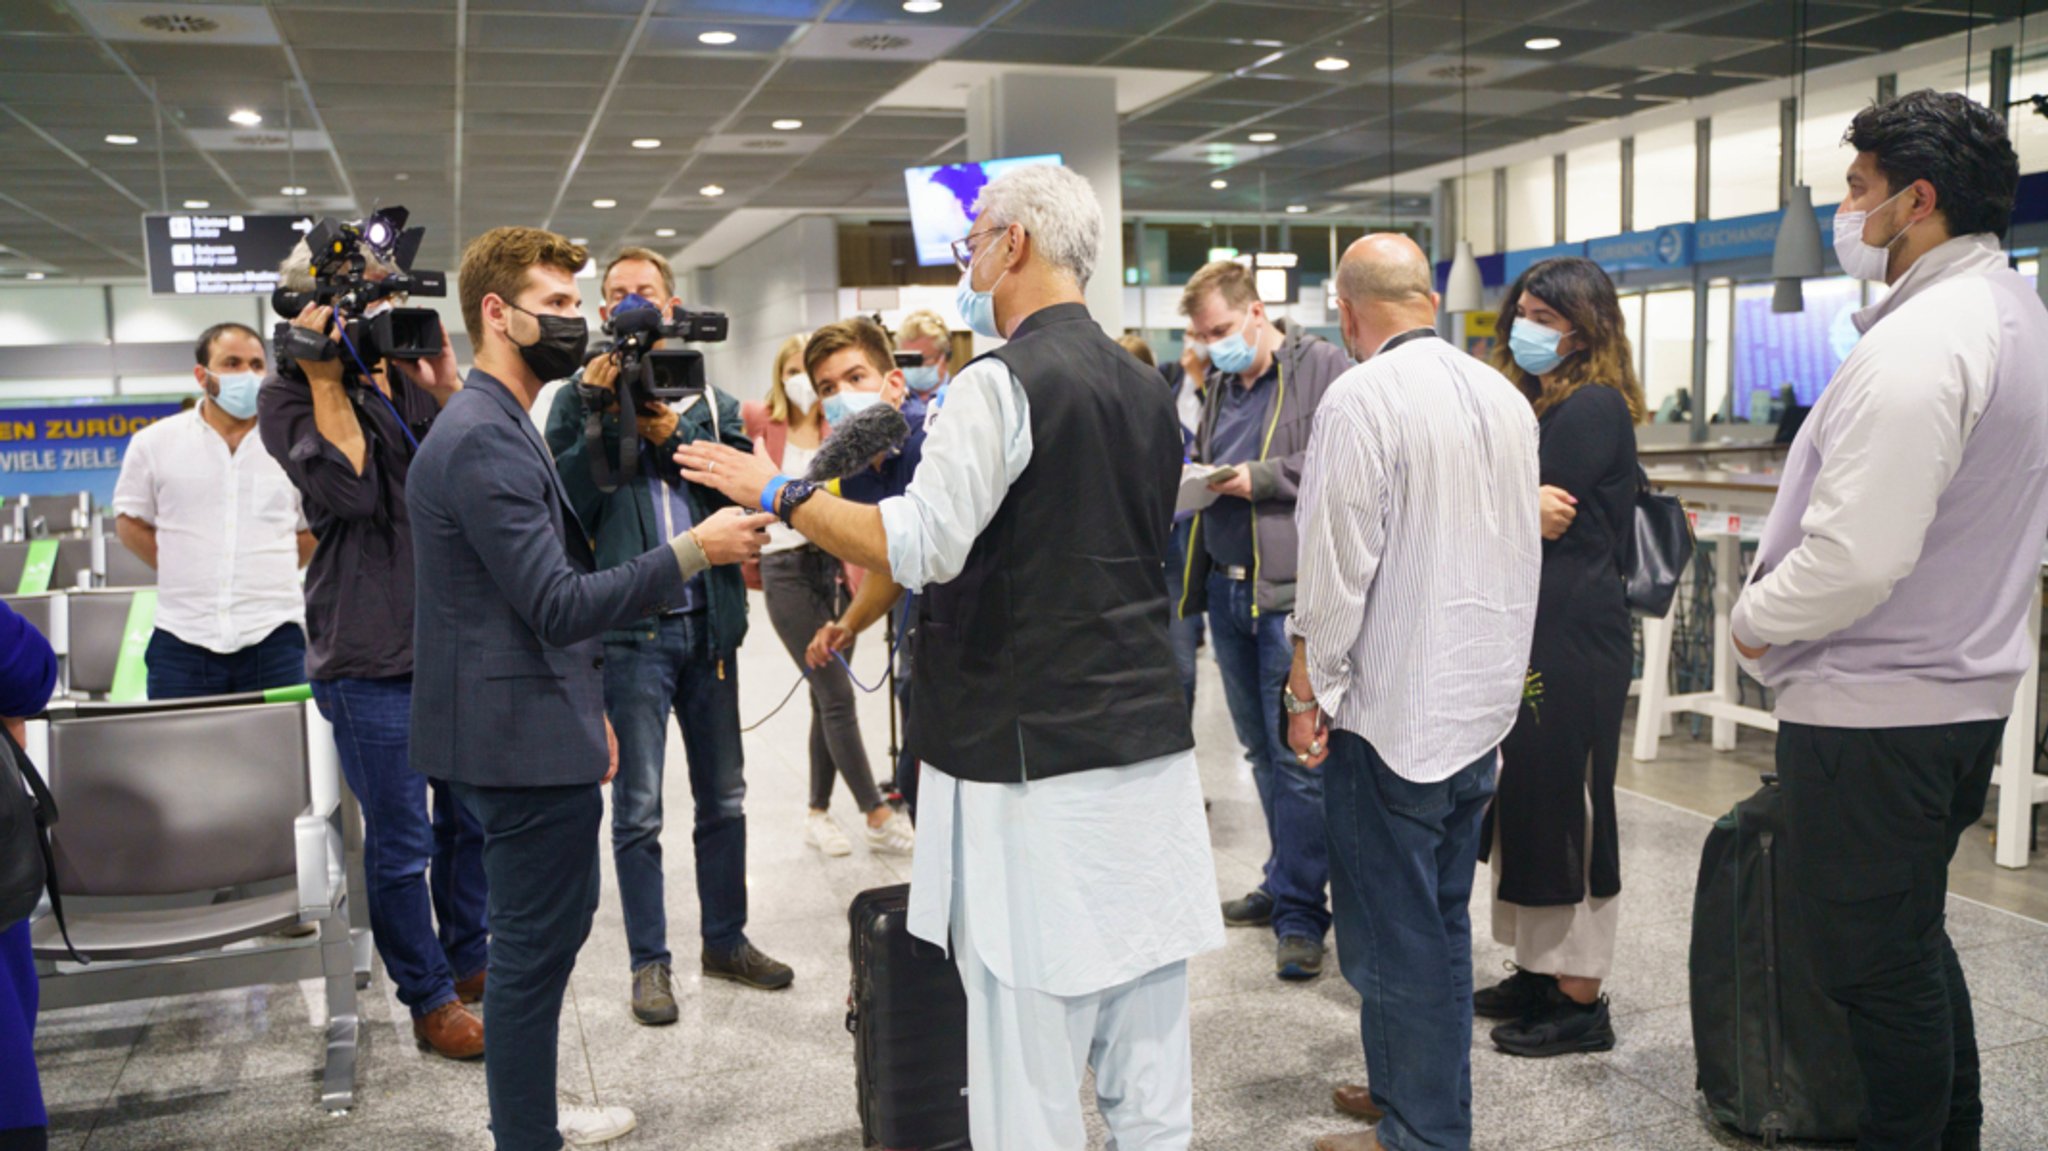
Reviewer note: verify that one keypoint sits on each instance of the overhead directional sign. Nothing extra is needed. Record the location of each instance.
(218, 253)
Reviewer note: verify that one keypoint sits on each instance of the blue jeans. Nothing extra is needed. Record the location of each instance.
(21, 1093)
(372, 721)
(1186, 634)
(1254, 655)
(180, 670)
(540, 851)
(671, 668)
(1402, 858)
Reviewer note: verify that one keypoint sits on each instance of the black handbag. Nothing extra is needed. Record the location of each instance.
(1664, 546)
(27, 867)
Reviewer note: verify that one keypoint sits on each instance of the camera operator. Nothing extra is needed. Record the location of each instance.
(682, 660)
(347, 440)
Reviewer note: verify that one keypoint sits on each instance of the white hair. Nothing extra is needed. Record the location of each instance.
(1057, 208)
(295, 274)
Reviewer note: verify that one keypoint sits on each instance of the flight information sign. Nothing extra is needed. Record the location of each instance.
(218, 253)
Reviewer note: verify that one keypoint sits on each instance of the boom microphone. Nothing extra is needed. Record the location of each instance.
(853, 445)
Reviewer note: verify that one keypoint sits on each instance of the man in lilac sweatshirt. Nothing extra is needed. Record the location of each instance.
(1888, 606)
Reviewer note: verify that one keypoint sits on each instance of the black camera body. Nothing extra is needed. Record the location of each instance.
(341, 281)
(648, 376)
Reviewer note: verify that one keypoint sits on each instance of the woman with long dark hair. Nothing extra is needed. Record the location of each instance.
(1552, 828)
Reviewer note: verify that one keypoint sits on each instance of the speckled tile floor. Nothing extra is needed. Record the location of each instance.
(751, 1071)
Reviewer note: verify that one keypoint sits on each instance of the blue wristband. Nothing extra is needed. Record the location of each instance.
(769, 493)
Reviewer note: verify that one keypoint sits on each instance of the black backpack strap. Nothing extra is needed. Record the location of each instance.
(46, 818)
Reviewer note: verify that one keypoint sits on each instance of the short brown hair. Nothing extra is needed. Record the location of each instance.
(496, 263)
(1135, 344)
(1229, 277)
(649, 255)
(858, 332)
(203, 351)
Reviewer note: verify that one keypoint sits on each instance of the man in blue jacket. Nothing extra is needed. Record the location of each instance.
(508, 684)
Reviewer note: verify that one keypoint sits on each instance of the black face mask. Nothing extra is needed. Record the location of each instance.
(559, 351)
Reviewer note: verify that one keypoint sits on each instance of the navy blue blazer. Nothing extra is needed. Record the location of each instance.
(508, 672)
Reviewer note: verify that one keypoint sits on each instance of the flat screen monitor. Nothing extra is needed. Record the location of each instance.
(1802, 349)
(942, 201)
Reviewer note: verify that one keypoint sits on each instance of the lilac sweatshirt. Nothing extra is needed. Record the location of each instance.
(1894, 575)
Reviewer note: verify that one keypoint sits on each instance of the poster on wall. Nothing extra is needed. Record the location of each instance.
(75, 448)
(1478, 333)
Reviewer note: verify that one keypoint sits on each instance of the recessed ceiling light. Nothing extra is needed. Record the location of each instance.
(292, 190)
(716, 39)
(1296, 209)
(245, 117)
(1332, 64)
(645, 142)
(33, 276)
(1263, 137)
(711, 190)
(787, 125)
(922, 7)
(1219, 185)
(664, 233)
(604, 203)
(199, 204)
(1542, 43)
(122, 139)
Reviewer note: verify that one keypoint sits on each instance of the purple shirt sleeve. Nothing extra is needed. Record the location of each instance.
(28, 669)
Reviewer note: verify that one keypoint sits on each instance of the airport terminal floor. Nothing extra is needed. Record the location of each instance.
(753, 1071)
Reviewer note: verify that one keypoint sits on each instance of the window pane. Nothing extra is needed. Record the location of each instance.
(1477, 207)
(1823, 157)
(1667, 347)
(2029, 128)
(1632, 327)
(66, 315)
(1532, 204)
(1665, 175)
(1742, 174)
(1592, 200)
(142, 318)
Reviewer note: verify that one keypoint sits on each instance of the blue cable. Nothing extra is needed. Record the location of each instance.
(342, 331)
(841, 657)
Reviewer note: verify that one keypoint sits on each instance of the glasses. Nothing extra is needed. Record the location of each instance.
(963, 248)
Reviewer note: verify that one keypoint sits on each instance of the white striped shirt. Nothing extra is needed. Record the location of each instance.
(1420, 555)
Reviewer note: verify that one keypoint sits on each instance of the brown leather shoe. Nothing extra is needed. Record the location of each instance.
(1355, 1099)
(1360, 1141)
(451, 1032)
(471, 990)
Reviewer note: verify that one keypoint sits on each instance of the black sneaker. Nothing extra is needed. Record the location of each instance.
(1559, 1027)
(1513, 997)
(747, 966)
(1299, 958)
(1254, 910)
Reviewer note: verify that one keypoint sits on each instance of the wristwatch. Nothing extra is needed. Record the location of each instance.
(792, 497)
(1296, 706)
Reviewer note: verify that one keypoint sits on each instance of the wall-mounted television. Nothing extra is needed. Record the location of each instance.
(942, 201)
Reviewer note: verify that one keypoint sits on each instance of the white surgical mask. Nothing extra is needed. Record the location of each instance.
(1861, 260)
(978, 306)
(800, 392)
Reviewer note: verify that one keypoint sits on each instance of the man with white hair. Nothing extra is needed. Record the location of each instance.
(1062, 849)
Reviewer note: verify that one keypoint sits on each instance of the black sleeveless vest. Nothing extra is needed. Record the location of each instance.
(1048, 654)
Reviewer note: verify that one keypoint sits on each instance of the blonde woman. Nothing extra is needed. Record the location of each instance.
(924, 333)
(807, 589)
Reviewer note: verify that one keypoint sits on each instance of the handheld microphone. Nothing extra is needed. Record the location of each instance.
(853, 445)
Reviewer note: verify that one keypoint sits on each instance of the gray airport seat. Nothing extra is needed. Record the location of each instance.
(54, 515)
(123, 567)
(13, 558)
(186, 833)
(98, 620)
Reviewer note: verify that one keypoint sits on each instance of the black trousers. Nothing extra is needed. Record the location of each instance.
(1873, 818)
(540, 861)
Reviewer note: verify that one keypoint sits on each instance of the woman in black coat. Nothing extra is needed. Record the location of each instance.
(1552, 826)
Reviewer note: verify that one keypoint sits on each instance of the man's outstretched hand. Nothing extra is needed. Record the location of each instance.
(739, 476)
(731, 535)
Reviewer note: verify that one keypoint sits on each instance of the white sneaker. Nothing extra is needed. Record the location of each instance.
(583, 1126)
(824, 833)
(895, 835)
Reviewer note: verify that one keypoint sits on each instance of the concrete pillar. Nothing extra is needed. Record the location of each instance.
(1028, 114)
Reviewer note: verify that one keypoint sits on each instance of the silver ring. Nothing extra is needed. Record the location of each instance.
(1315, 747)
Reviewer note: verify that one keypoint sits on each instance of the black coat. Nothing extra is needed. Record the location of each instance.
(1567, 744)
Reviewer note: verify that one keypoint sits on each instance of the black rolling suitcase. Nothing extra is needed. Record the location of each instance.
(1773, 1049)
(908, 1016)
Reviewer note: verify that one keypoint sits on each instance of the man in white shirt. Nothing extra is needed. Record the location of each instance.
(1420, 555)
(1062, 849)
(202, 502)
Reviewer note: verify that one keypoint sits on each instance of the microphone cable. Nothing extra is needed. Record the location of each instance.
(805, 676)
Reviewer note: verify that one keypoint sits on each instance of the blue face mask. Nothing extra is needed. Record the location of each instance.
(237, 396)
(1535, 346)
(1233, 353)
(978, 308)
(841, 405)
(922, 379)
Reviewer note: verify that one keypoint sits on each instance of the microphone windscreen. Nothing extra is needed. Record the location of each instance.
(853, 445)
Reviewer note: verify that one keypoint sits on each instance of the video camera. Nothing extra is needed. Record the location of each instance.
(648, 376)
(341, 252)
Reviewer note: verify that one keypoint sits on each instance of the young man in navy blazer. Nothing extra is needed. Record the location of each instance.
(508, 688)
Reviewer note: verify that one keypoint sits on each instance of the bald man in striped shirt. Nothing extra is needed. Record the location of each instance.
(1420, 554)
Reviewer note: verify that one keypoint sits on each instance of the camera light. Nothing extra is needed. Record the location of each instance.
(121, 138)
(245, 117)
(711, 190)
(646, 142)
(604, 203)
(716, 39)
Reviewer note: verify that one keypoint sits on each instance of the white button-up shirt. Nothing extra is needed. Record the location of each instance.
(227, 531)
(1080, 882)
(1421, 550)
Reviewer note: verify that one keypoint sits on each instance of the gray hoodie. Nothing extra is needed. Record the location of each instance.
(1895, 572)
